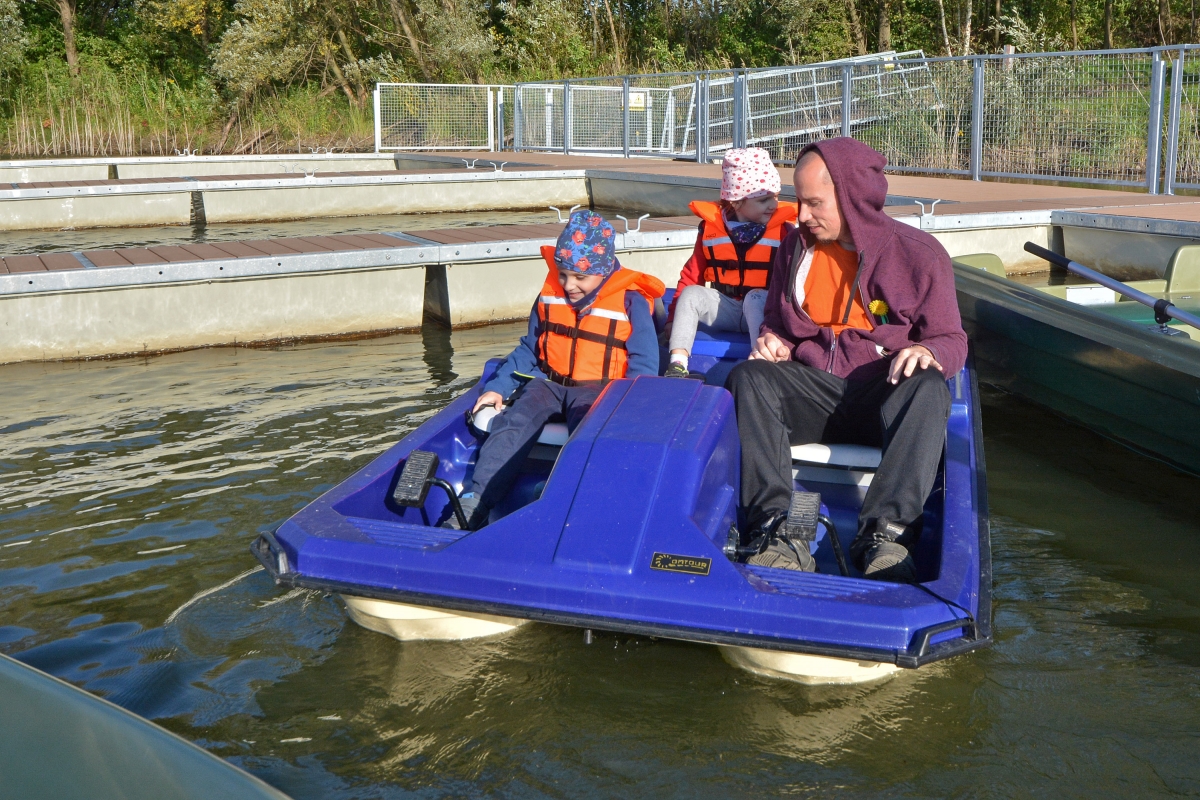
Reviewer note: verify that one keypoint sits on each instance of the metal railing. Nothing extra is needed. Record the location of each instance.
(1109, 117)
(439, 116)
(699, 114)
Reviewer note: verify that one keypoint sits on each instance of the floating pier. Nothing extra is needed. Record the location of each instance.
(95, 303)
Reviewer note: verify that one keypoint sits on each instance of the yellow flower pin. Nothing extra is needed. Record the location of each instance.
(878, 308)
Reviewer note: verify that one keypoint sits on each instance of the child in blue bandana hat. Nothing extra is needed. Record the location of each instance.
(591, 323)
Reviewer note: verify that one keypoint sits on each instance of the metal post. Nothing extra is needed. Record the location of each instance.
(548, 115)
(499, 117)
(378, 128)
(567, 121)
(977, 75)
(702, 121)
(491, 120)
(1154, 129)
(847, 97)
(738, 134)
(518, 122)
(1173, 123)
(696, 89)
(625, 116)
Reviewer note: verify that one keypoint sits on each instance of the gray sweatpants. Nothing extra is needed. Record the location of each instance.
(700, 305)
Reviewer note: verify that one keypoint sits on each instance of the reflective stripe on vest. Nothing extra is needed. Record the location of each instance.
(726, 266)
(578, 348)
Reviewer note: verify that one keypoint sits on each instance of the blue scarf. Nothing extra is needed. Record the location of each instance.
(747, 233)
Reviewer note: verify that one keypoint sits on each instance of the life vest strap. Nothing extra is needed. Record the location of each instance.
(575, 333)
(563, 380)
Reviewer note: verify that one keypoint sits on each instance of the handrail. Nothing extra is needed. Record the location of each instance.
(1163, 310)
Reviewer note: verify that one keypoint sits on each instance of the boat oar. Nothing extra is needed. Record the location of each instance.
(1163, 310)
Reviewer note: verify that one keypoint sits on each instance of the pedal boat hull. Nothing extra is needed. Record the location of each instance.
(623, 530)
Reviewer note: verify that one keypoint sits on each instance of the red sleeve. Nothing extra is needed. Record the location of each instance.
(690, 274)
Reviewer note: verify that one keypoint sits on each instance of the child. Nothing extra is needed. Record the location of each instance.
(591, 324)
(734, 253)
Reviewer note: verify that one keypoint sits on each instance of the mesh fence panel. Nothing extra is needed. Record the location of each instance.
(1068, 116)
(597, 117)
(916, 113)
(720, 111)
(1187, 164)
(433, 117)
(1072, 116)
(787, 109)
(541, 117)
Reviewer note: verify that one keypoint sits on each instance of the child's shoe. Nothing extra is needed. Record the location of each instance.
(676, 370)
(475, 512)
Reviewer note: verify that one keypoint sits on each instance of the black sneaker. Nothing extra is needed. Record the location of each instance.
(676, 370)
(475, 512)
(888, 561)
(884, 555)
(783, 553)
(776, 549)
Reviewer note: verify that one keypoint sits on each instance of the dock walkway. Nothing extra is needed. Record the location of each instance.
(143, 299)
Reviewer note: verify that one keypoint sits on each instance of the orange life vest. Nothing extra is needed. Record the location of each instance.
(729, 271)
(574, 349)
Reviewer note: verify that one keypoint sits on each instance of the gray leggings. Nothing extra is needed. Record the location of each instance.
(700, 305)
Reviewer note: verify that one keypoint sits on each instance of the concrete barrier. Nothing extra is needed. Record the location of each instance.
(106, 168)
(145, 308)
(289, 196)
(394, 197)
(181, 315)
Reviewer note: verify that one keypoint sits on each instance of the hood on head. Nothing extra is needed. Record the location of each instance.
(857, 173)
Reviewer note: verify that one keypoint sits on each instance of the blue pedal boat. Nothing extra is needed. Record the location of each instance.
(626, 525)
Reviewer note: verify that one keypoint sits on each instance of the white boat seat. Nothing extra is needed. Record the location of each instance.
(850, 456)
(554, 433)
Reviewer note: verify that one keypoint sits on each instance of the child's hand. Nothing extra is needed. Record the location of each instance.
(489, 399)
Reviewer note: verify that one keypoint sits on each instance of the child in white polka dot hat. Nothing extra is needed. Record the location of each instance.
(723, 285)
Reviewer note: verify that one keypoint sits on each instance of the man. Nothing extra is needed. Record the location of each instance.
(861, 330)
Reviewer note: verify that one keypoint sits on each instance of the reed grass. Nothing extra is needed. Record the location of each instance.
(108, 111)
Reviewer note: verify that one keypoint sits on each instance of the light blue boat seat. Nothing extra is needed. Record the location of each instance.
(554, 433)
(850, 456)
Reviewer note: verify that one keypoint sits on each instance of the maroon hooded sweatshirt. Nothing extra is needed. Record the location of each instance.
(903, 266)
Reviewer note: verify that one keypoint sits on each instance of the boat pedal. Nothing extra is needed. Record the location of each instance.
(413, 484)
(801, 523)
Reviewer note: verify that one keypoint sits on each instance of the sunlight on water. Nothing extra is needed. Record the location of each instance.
(130, 491)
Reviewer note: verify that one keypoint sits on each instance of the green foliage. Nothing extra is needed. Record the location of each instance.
(12, 38)
(155, 75)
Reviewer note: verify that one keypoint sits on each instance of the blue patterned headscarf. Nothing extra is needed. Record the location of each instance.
(587, 245)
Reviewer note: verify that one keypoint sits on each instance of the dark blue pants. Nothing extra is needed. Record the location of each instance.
(515, 432)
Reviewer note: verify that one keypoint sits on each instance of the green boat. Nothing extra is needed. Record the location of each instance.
(1085, 352)
(58, 741)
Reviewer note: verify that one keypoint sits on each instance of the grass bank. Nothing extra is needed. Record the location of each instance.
(109, 111)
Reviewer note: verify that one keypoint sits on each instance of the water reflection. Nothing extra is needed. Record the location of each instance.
(130, 490)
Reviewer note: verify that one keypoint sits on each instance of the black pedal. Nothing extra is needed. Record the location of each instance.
(413, 483)
(802, 516)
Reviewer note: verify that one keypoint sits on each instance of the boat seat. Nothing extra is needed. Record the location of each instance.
(554, 433)
(988, 262)
(850, 456)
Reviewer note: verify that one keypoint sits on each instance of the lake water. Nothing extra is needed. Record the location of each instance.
(130, 491)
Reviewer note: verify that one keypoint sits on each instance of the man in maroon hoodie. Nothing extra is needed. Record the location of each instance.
(861, 331)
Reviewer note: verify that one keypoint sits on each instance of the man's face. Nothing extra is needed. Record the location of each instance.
(818, 199)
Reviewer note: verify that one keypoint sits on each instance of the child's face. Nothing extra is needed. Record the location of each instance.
(756, 209)
(576, 285)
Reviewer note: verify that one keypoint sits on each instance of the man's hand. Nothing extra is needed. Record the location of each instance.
(770, 347)
(489, 399)
(907, 361)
